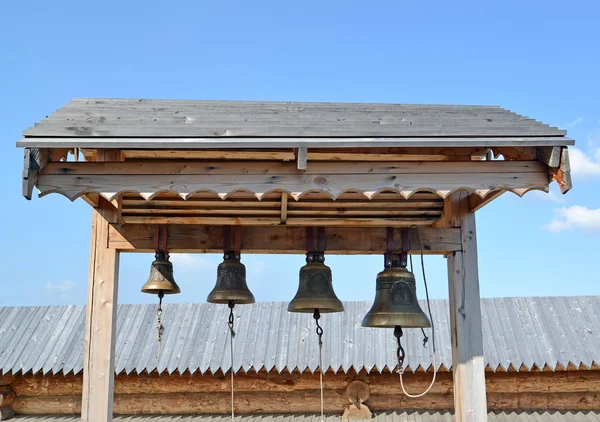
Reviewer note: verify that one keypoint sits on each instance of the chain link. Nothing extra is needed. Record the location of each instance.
(230, 322)
(159, 327)
(400, 353)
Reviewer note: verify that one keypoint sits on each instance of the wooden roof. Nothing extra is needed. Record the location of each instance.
(160, 124)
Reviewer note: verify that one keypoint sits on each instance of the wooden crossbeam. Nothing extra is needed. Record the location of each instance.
(148, 179)
(279, 239)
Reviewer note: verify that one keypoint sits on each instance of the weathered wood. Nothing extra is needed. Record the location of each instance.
(34, 160)
(476, 202)
(110, 186)
(465, 318)
(292, 222)
(86, 141)
(208, 154)
(7, 396)
(300, 402)
(193, 167)
(320, 154)
(496, 382)
(6, 379)
(367, 157)
(302, 158)
(549, 155)
(563, 173)
(101, 314)
(280, 239)
(284, 207)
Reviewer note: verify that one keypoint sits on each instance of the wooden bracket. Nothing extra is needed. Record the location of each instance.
(33, 161)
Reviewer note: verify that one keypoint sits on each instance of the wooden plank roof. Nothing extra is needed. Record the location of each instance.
(142, 123)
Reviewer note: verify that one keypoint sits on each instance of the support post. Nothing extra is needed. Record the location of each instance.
(468, 367)
(101, 316)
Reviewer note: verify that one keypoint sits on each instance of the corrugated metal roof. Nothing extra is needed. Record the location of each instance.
(235, 124)
(518, 332)
(394, 416)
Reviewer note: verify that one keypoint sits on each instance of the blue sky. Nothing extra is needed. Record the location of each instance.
(536, 58)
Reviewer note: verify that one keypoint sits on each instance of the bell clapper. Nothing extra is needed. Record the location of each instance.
(231, 305)
(317, 316)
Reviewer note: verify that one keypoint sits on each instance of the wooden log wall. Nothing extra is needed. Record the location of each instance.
(295, 393)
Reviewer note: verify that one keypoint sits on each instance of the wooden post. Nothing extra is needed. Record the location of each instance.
(468, 365)
(101, 315)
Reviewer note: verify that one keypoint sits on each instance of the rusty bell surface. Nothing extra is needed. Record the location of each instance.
(396, 302)
(315, 290)
(161, 277)
(231, 282)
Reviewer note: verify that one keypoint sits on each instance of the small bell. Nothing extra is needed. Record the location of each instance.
(395, 301)
(231, 282)
(315, 290)
(161, 277)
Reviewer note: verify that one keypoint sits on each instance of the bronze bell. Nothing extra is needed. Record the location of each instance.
(315, 290)
(231, 282)
(161, 277)
(396, 301)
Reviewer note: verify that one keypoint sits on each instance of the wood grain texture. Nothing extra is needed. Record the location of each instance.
(406, 179)
(34, 160)
(386, 383)
(465, 317)
(279, 239)
(101, 313)
(170, 142)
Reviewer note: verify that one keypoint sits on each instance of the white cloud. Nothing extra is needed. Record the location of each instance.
(575, 217)
(60, 289)
(575, 122)
(187, 261)
(583, 164)
(550, 196)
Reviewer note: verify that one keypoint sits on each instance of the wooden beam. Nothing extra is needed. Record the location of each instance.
(443, 178)
(277, 142)
(194, 403)
(101, 314)
(302, 158)
(468, 364)
(101, 317)
(284, 207)
(477, 202)
(386, 383)
(279, 239)
(209, 154)
(548, 155)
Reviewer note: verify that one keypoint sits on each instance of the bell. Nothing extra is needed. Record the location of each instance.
(396, 301)
(161, 277)
(315, 290)
(231, 282)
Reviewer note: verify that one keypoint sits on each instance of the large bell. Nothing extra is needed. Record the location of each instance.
(396, 301)
(315, 290)
(231, 282)
(161, 277)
